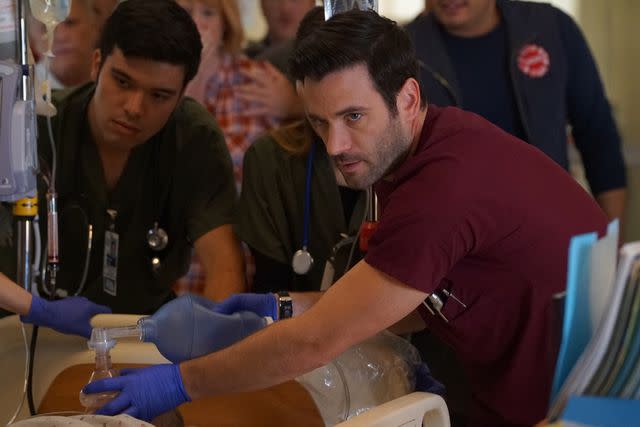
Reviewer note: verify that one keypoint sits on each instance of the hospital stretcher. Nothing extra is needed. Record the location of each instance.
(63, 364)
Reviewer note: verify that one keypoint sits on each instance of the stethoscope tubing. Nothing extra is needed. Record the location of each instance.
(307, 198)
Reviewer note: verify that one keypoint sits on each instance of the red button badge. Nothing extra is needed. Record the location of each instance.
(533, 61)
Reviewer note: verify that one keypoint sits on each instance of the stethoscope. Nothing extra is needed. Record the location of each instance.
(156, 237)
(302, 261)
(157, 241)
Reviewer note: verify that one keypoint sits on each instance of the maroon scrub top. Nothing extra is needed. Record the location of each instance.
(487, 217)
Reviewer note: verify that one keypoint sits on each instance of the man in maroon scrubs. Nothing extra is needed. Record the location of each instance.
(471, 216)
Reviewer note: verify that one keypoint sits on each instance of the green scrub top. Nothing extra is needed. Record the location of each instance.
(270, 215)
(182, 178)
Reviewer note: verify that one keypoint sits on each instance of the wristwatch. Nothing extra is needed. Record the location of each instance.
(285, 305)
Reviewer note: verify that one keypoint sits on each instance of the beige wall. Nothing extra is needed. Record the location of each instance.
(611, 27)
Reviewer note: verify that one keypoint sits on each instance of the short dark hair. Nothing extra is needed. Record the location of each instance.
(159, 30)
(357, 37)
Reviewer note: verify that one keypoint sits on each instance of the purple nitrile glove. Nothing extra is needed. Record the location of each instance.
(425, 382)
(69, 315)
(264, 305)
(144, 393)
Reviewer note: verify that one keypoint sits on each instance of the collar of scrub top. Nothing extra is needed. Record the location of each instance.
(302, 260)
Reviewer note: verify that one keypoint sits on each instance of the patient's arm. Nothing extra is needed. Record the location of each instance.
(13, 297)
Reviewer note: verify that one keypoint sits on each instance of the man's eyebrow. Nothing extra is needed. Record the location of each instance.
(349, 110)
(122, 74)
(314, 117)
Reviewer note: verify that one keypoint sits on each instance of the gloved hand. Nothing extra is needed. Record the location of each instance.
(264, 305)
(189, 327)
(69, 315)
(144, 393)
(425, 382)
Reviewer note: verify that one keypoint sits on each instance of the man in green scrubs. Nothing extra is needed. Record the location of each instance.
(134, 156)
(270, 217)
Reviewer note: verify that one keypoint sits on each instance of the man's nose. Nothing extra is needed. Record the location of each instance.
(337, 141)
(200, 25)
(134, 104)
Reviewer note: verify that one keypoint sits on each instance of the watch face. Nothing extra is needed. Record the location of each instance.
(302, 261)
(285, 305)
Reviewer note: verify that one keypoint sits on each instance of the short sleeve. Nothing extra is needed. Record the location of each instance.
(423, 232)
(259, 205)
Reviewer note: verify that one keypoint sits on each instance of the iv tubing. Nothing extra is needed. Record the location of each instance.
(85, 271)
(37, 252)
(26, 374)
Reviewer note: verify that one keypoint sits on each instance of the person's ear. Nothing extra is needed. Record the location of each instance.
(408, 101)
(96, 64)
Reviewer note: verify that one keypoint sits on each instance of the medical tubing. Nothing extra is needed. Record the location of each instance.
(307, 197)
(53, 255)
(37, 251)
(27, 348)
(26, 374)
(43, 271)
(85, 271)
(32, 356)
(54, 160)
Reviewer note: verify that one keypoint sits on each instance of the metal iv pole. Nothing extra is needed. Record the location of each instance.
(25, 209)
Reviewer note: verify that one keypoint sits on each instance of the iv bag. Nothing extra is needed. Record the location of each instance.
(50, 13)
(333, 7)
(7, 30)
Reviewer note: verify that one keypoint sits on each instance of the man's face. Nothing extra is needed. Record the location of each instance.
(284, 16)
(74, 41)
(364, 139)
(134, 98)
(460, 16)
(209, 21)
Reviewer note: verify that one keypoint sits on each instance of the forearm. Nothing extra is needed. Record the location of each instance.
(224, 283)
(13, 297)
(302, 301)
(222, 260)
(269, 357)
(613, 203)
(409, 324)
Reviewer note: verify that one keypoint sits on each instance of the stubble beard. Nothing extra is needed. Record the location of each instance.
(392, 148)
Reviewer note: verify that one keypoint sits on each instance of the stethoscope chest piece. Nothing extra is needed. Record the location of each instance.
(302, 261)
(157, 238)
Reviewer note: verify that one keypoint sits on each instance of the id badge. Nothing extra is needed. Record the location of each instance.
(110, 263)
